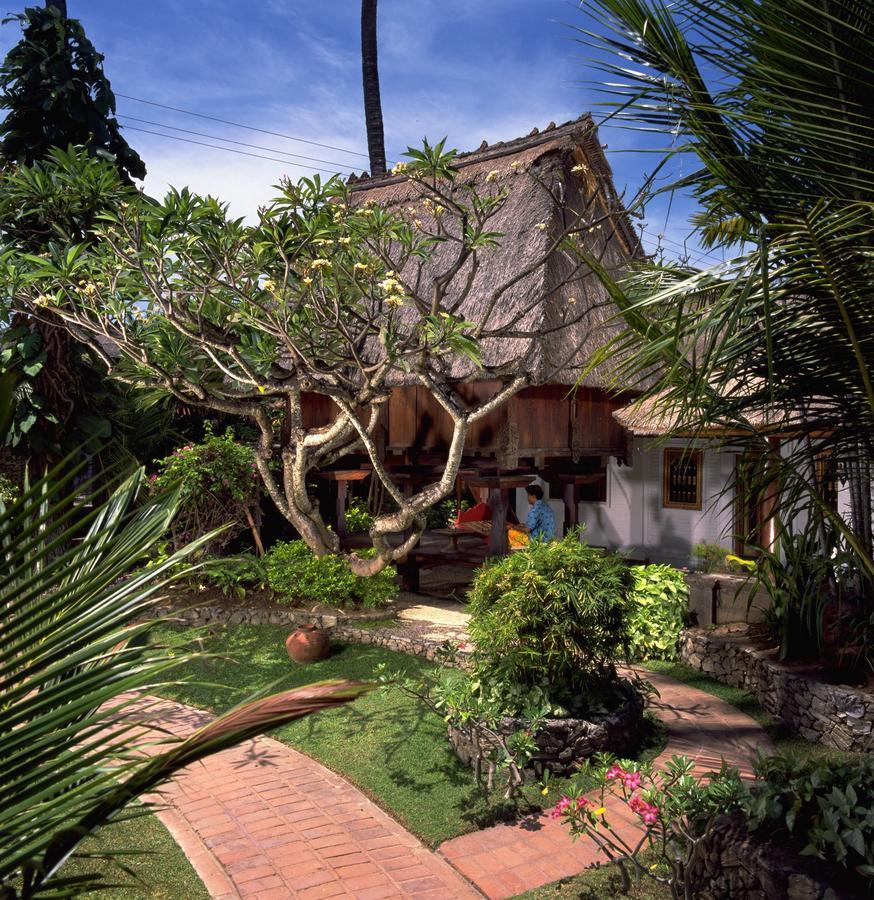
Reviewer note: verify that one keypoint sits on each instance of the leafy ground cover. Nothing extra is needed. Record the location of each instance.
(155, 865)
(386, 743)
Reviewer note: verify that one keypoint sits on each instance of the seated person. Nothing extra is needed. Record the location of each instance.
(540, 523)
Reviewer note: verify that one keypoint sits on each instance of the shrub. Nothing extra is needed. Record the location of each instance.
(220, 486)
(298, 576)
(672, 808)
(711, 557)
(554, 615)
(233, 575)
(827, 804)
(358, 517)
(659, 604)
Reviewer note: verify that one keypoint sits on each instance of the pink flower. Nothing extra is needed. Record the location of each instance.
(631, 780)
(648, 812)
(561, 807)
(461, 645)
(615, 772)
(153, 477)
(583, 802)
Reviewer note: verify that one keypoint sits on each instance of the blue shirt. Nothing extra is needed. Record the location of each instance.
(540, 521)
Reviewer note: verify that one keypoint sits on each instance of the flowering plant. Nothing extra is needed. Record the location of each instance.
(636, 809)
(219, 487)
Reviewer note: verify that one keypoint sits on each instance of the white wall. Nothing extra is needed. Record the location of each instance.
(634, 520)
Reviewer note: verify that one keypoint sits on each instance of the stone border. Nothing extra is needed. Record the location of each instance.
(261, 615)
(341, 626)
(562, 743)
(836, 715)
(424, 647)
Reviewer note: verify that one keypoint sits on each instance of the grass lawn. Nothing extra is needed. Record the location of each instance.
(786, 742)
(158, 867)
(387, 744)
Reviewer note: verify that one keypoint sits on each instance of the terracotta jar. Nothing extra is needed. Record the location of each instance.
(307, 644)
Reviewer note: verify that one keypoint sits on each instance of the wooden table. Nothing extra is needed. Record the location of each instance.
(342, 477)
(499, 487)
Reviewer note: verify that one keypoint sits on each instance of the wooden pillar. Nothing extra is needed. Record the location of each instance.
(499, 500)
(342, 491)
(571, 506)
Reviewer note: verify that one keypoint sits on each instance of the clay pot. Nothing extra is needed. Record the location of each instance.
(308, 644)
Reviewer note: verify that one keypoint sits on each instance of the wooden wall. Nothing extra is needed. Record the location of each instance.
(549, 420)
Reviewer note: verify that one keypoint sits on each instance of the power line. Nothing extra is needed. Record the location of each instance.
(215, 137)
(173, 137)
(678, 246)
(287, 137)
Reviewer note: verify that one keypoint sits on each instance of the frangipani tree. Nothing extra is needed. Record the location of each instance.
(322, 295)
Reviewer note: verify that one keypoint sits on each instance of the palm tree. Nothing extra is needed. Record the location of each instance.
(772, 103)
(75, 658)
(370, 75)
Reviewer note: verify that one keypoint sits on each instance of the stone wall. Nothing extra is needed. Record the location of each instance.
(561, 743)
(836, 715)
(273, 615)
(734, 594)
(732, 865)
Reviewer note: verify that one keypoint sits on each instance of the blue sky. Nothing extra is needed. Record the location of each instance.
(468, 69)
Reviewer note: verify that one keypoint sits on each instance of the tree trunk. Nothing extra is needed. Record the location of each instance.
(372, 102)
(59, 5)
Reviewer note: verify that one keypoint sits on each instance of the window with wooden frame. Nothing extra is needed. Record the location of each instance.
(682, 476)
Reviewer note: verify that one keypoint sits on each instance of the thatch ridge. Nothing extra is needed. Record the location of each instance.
(552, 338)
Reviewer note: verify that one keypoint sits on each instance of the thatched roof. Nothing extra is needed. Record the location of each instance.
(554, 318)
(653, 416)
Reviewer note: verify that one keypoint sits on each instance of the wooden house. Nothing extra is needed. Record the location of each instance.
(562, 427)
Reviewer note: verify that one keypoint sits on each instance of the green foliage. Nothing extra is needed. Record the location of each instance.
(298, 576)
(711, 557)
(659, 607)
(73, 648)
(554, 615)
(780, 335)
(218, 484)
(443, 514)
(233, 575)
(9, 491)
(56, 94)
(827, 805)
(358, 517)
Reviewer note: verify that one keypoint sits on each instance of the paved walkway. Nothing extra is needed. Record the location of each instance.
(505, 860)
(264, 821)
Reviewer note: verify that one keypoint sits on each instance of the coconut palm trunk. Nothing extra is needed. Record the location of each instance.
(370, 76)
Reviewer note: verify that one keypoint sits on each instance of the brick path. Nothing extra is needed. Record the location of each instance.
(264, 821)
(508, 859)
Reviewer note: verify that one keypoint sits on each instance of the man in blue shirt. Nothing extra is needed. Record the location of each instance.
(540, 523)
